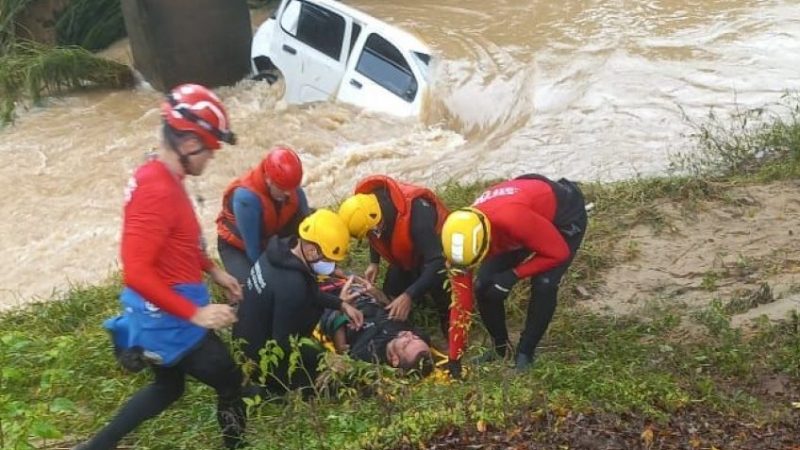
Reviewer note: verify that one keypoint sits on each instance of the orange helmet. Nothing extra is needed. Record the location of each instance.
(194, 108)
(282, 166)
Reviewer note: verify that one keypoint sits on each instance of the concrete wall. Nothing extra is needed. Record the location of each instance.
(178, 41)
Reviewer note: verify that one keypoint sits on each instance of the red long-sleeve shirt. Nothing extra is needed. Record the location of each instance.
(521, 214)
(161, 239)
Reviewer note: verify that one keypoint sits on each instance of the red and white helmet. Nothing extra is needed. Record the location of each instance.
(282, 166)
(194, 108)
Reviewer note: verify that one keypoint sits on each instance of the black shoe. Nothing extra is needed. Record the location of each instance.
(524, 362)
(454, 369)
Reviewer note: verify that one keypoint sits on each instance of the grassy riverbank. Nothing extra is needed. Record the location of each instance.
(672, 375)
(31, 70)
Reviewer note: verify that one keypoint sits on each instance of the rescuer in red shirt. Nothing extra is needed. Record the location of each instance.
(528, 227)
(168, 317)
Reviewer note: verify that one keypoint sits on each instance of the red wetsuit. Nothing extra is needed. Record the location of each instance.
(161, 239)
(521, 214)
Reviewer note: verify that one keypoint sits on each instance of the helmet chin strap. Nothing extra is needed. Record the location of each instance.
(184, 160)
(173, 143)
(305, 259)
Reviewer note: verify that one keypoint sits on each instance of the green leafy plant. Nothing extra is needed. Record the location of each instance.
(32, 70)
(29, 70)
(91, 24)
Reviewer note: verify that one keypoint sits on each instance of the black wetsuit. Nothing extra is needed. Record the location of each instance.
(282, 299)
(236, 261)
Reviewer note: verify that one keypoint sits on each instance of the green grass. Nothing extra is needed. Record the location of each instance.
(29, 70)
(764, 142)
(59, 382)
(91, 24)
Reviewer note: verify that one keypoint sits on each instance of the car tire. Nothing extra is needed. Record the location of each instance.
(270, 76)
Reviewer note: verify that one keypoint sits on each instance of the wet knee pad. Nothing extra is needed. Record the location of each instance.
(230, 396)
(545, 283)
(480, 285)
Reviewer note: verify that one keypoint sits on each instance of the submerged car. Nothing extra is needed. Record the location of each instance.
(326, 50)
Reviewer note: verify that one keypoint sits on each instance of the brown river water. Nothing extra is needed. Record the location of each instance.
(593, 90)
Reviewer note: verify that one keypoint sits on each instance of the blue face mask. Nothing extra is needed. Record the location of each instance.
(323, 267)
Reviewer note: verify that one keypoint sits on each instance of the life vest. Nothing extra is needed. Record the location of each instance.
(164, 338)
(273, 220)
(400, 249)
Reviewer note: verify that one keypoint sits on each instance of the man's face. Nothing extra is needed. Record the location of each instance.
(276, 193)
(312, 253)
(198, 155)
(406, 346)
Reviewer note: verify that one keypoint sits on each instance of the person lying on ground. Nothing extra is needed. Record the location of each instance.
(380, 339)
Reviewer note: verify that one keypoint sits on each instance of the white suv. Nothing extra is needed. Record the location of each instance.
(326, 50)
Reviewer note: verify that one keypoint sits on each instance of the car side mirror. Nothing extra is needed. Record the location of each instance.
(411, 92)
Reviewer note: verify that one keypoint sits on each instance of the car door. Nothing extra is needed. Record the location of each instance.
(380, 77)
(311, 51)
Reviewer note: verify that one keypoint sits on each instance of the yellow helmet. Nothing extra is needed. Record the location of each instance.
(360, 213)
(326, 229)
(465, 237)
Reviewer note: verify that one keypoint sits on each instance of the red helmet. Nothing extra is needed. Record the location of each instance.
(194, 108)
(282, 166)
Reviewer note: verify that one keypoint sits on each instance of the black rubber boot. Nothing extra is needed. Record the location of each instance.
(524, 362)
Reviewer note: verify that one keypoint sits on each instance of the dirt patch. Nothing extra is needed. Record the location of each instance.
(778, 386)
(687, 430)
(779, 309)
(741, 250)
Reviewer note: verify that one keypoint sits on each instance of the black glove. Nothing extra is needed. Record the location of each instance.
(132, 359)
(454, 368)
(500, 286)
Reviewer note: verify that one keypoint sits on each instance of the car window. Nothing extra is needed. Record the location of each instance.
(317, 27)
(290, 16)
(353, 38)
(383, 63)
